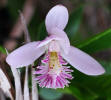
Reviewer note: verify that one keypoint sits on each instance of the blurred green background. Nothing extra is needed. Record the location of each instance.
(88, 29)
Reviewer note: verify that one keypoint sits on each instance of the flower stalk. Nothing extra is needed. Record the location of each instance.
(16, 75)
(34, 86)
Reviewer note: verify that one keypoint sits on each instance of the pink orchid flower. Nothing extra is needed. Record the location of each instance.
(53, 71)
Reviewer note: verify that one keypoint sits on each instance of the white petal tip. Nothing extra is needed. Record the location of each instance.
(11, 63)
(100, 72)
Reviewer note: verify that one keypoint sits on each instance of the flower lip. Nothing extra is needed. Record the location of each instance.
(54, 73)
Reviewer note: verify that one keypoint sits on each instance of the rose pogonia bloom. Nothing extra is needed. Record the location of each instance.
(53, 71)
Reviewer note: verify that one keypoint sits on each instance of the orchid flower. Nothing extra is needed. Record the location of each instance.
(53, 72)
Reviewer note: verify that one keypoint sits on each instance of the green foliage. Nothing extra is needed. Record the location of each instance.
(74, 23)
(14, 6)
(50, 94)
(107, 66)
(34, 25)
(2, 50)
(42, 33)
(96, 43)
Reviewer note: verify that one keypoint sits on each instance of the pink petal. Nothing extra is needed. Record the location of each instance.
(25, 55)
(64, 41)
(56, 17)
(83, 62)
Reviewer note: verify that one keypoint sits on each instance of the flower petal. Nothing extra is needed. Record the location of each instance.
(56, 17)
(25, 55)
(83, 62)
(64, 41)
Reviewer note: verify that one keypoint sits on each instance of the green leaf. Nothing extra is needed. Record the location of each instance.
(34, 25)
(2, 50)
(81, 93)
(96, 43)
(107, 66)
(14, 6)
(74, 23)
(50, 94)
(41, 31)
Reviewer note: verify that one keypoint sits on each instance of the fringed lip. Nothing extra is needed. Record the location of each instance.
(57, 76)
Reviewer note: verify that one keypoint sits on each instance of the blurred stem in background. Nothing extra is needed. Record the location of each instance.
(16, 32)
(34, 85)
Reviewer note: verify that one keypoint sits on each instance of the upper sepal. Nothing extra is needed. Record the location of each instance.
(56, 17)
